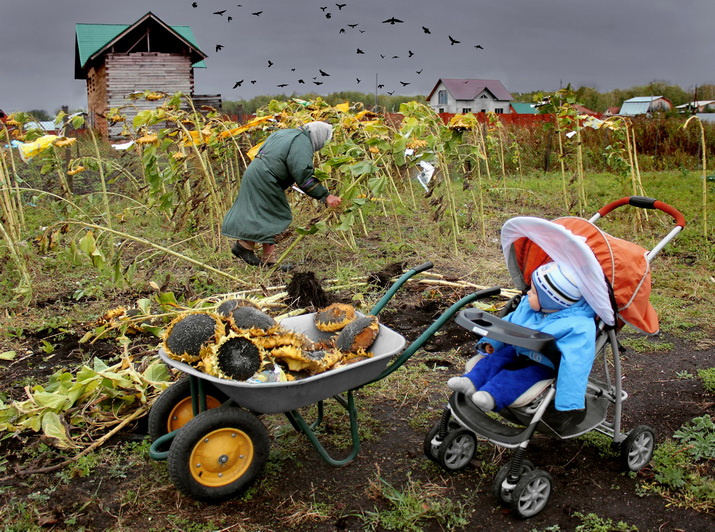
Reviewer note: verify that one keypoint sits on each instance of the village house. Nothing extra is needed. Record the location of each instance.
(645, 105)
(470, 96)
(120, 59)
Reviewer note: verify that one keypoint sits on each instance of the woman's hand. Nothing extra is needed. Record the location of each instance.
(333, 201)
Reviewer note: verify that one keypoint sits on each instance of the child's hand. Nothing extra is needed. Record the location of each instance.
(484, 347)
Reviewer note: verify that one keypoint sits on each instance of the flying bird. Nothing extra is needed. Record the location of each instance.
(353, 26)
(360, 51)
(340, 6)
(282, 85)
(318, 82)
(392, 21)
(381, 86)
(426, 30)
(328, 15)
(382, 56)
(194, 4)
(230, 19)
(479, 46)
(270, 63)
(323, 73)
(395, 57)
(237, 84)
(292, 69)
(390, 92)
(419, 71)
(358, 80)
(301, 81)
(220, 12)
(405, 83)
(257, 13)
(342, 30)
(410, 53)
(219, 47)
(453, 41)
(253, 82)
(361, 31)
(324, 8)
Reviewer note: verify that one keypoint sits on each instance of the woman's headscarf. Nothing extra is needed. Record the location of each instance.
(320, 133)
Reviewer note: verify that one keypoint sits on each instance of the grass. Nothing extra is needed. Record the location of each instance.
(413, 506)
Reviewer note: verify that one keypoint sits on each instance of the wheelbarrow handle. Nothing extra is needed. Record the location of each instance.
(397, 284)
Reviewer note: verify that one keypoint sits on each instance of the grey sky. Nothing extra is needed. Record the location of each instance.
(527, 44)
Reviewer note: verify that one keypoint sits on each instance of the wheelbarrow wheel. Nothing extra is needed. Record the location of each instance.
(172, 409)
(218, 454)
(503, 495)
(531, 493)
(637, 449)
(457, 450)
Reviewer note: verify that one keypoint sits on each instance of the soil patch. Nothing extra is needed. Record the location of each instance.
(300, 491)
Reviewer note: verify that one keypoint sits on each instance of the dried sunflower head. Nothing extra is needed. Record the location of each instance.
(188, 334)
(358, 335)
(234, 357)
(334, 317)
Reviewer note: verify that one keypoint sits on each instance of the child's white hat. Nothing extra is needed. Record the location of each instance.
(555, 286)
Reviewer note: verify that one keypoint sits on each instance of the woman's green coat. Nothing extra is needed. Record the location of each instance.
(261, 210)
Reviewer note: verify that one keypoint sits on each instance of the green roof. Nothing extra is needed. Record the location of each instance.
(524, 108)
(92, 38)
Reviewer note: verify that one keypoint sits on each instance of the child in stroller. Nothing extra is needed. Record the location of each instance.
(614, 278)
(554, 305)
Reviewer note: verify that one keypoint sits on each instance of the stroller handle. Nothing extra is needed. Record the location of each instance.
(645, 203)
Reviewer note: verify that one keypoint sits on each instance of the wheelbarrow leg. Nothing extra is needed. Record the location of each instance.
(302, 426)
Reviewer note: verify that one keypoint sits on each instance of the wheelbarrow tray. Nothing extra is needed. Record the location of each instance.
(277, 397)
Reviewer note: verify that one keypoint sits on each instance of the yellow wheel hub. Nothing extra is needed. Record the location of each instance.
(221, 457)
(183, 412)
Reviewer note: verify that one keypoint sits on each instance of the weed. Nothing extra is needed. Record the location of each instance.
(602, 443)
(593, 523)
(708, 378)
(410, 508)
(682, 467)
(683, 375)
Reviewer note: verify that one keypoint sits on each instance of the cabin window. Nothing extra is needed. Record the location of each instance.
(442, 97)
(466, 110)
(441, 110)
(484, 96)
(498, 110)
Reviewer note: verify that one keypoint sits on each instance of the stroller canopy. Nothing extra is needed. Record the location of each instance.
(597, 257)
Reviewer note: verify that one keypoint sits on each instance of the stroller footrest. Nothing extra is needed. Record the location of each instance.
(485, 426)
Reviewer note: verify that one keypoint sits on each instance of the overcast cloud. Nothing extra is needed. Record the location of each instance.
(527, 44)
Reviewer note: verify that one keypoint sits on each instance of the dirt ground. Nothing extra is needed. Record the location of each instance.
(299, 491)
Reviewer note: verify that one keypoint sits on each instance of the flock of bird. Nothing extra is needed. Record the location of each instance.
(327, 12)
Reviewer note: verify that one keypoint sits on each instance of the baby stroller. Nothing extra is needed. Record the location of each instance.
(615, 281)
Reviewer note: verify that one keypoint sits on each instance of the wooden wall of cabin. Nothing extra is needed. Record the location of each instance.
(153, 71)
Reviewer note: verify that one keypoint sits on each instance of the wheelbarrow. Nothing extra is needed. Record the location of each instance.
(217, 445)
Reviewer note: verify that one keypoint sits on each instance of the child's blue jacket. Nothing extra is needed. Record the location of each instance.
(574, 329)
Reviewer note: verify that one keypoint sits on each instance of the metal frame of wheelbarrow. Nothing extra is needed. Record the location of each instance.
(198, 396)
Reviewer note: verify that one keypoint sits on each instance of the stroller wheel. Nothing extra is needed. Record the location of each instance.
(503, 495)
(637, 449)
(431, 449)
(457, 450)
(531, 493)
(218, 454)
(173, 409)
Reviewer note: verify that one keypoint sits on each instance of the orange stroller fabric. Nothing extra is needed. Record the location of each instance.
(624, 265)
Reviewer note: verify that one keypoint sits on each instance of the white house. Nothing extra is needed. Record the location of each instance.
(470, 96)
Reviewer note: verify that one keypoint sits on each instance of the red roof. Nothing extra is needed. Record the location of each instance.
(469, 89)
